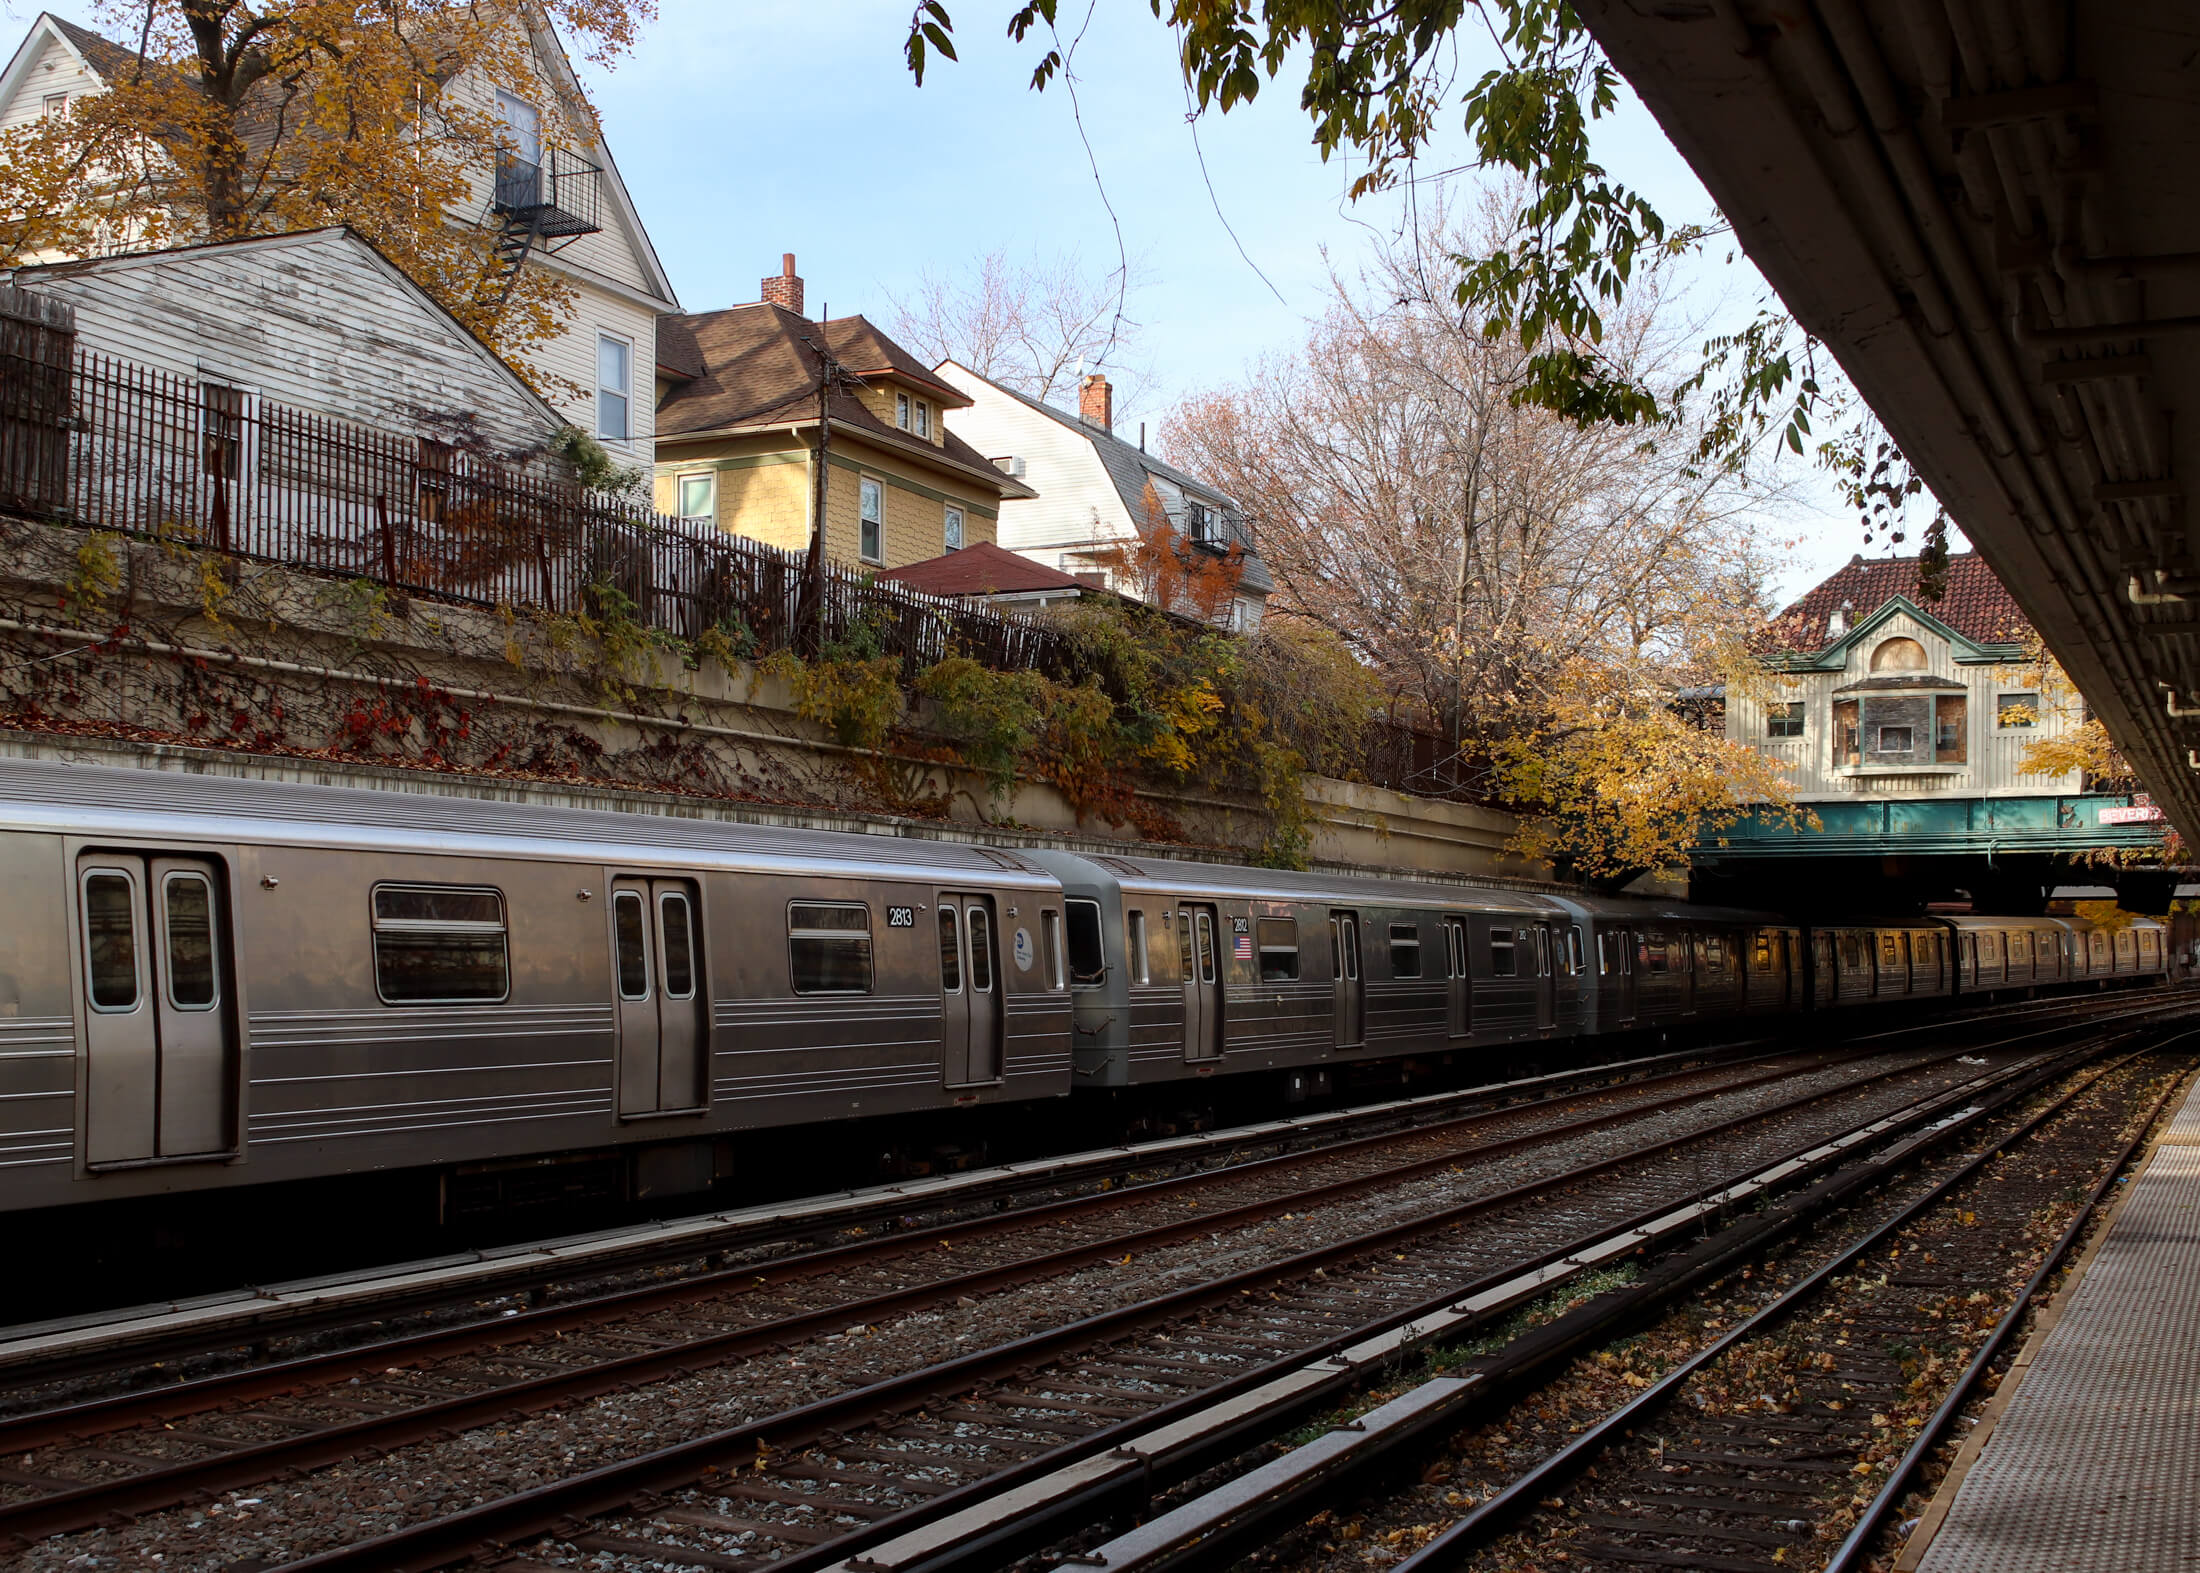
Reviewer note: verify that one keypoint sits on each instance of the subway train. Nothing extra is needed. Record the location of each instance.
(213, 982)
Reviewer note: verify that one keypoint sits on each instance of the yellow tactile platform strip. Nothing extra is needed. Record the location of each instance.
(2094, 1466)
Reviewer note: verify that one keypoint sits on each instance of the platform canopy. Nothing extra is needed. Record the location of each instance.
(1990, 211)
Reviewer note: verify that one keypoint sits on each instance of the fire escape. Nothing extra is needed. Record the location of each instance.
(538, 204)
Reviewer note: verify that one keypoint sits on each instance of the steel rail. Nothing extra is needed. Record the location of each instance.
(99, 1416)
(1215, 1527)
(435, 1542)
(133, 1495)
(1489, 1517)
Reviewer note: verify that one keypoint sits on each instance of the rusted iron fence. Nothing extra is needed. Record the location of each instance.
(89, 439)
(153, 454)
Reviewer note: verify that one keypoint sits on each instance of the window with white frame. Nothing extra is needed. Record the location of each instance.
(924, 419)
(2018, 712)
(954, 528)
(873, 519)
(699, 495)
(614, 388)
(901, 410)
(55, 106)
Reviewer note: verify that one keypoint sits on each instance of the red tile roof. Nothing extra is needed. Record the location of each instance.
(1976, 604)
(982, 569)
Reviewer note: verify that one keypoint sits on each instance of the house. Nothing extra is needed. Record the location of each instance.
(318, 322)
(562, 209)
(1906, 726)
(992, 574)
(1096, 493)
(739, 434)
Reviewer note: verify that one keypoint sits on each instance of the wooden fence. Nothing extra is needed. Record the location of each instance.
(92, 440)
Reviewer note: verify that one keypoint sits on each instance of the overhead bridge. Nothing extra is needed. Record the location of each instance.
(1989, 210)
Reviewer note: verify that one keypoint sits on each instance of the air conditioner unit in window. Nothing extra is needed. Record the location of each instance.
(1010, 465)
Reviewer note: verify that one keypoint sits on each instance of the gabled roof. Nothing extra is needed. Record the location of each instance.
(982, 569)
(1976, 606)
(336, 234)
(106, 59)
(758, 370)
(1129, 469)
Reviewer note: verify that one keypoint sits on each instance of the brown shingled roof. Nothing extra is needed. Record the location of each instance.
(982, 569)
(1976, 606)
(757, 367)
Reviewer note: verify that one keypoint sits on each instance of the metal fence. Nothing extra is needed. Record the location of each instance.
(138, 450)
(89, 439)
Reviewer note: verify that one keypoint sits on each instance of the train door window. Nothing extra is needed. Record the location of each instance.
(1504, 957)
(829, 947)
(676, 922)
(111, 940)
(951, 980)
(1604, 953)
(631, 935)
(981, 950)
(1050, 941)
(1576, 961)
(1203, 930)
(187, 914)
(1405, 950)
(1542, 951)
(1088, 967)
(1890, 950)
(159, 1050)
(1134, 947)
(1655, 956)
(1761, 953)
(1279, 949)
(440, 944)
(1455, 947)
(1352, 948)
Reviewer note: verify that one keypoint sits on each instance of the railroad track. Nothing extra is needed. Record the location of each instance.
(812, 1486)
(1805, 1423)
(84, 1463)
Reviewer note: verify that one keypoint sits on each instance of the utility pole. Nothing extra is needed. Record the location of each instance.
(810, 622)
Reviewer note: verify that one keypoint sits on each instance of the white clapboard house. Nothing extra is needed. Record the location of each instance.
(1095, 491)
(555, 207)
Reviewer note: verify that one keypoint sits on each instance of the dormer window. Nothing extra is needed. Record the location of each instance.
(901, 410)
(924, 420)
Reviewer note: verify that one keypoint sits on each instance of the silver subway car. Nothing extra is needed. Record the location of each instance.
(212, 982)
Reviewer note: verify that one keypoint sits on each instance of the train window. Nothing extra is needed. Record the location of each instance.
(1351, 947)
(1135, 948)
(189, 925)
(1654, 953)
(951, 980)
(110, 940)
(1088, 966)
(1761, 953)
(630, 940)
(1576, 965)
(1204, 927)
(829, 946)
(1890, 950)
(676, 920)
(1455, 946)
(1279, 949)
(1542, 952)
(440, 945)
(1405, 950)
(1504, 961)
(1604, 955)
(981, 951)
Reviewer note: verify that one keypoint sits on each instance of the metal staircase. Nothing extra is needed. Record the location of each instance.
(557, 198)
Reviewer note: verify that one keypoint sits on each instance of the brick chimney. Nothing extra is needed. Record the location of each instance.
(1096, 401)
(786, 289)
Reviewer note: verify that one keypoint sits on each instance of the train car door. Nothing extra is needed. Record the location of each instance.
(1348, 1005)
(1616, 974)
(1459, 995)
(970, 990)
(657, 961)
(160, 1034)
(1196, 939)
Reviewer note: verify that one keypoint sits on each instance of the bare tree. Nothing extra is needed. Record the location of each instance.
(1030, 324)
(1486, 556)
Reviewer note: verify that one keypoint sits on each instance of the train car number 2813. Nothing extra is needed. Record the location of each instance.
(901, 917)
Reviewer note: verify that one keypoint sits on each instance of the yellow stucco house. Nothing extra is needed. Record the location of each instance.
(738, 427)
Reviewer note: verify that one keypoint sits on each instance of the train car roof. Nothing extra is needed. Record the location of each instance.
(1167, 876)
(96, 800)
(1988, 920)
(1642, 907)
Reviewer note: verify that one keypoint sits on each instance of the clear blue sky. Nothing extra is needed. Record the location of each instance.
(746, 128)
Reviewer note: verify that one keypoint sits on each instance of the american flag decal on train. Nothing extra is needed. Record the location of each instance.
(1245, 947)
